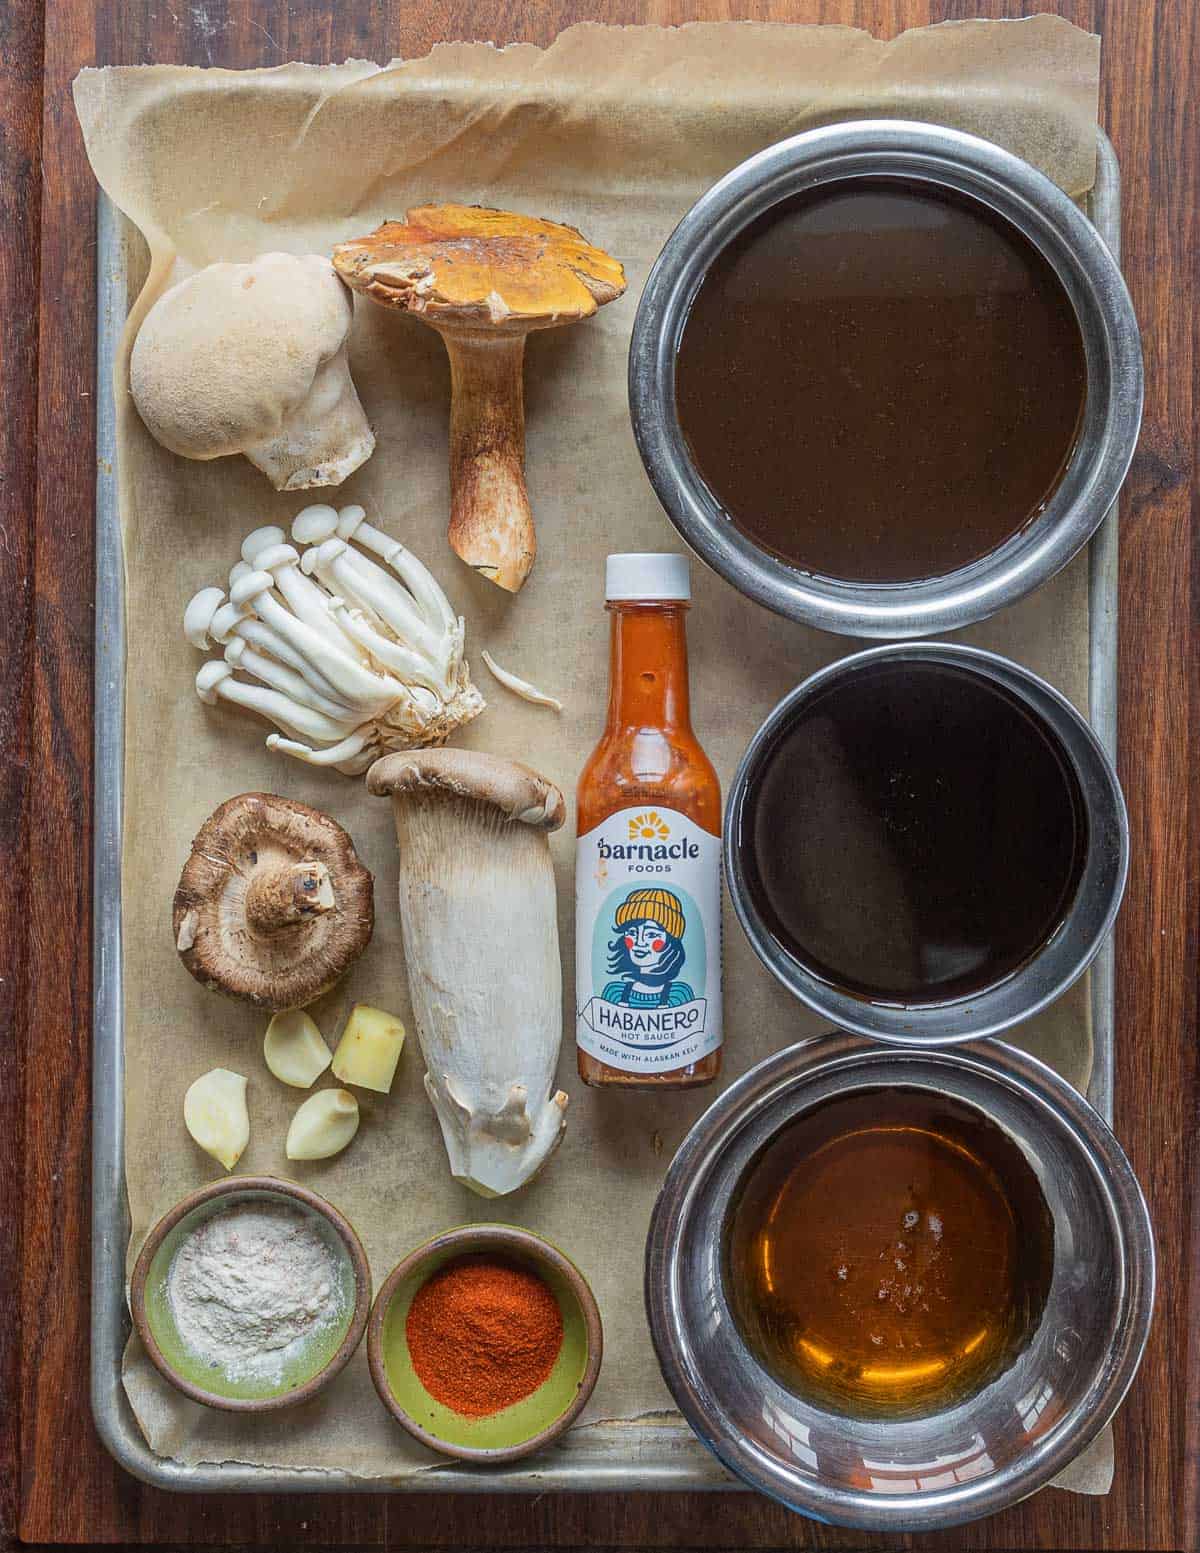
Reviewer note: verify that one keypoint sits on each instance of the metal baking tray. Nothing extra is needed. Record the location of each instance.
(653, 1457)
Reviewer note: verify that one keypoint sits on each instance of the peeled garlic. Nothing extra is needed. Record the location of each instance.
(295, 1050)
(214, 1112)
(323, 1125)
(369, 1049)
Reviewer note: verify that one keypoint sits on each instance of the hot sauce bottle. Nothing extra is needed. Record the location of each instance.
(648, 858)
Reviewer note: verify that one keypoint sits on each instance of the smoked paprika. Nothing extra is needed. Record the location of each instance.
(483, 1334)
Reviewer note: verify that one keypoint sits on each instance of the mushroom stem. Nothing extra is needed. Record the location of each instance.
(474, 859)
(279, 898)
(409, 665)
(242, 656)
(417, 578)
(346, 674)
(215, 681)
(302, 595)
(261, 636)
(370, 587)
(352, 755)
(491, 525)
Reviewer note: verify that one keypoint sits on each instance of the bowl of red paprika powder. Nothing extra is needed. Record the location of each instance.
(485, 1342)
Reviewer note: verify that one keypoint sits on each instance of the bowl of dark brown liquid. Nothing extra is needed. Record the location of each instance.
(899, 1289)
(926, 843)
(885, 378)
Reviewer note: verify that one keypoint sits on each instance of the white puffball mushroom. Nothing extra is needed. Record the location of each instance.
(294, 1049)
(251, 358)
(323, 1125)
(369, 1049)
(214, 1112)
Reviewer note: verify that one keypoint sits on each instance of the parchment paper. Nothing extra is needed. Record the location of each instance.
(616, 131)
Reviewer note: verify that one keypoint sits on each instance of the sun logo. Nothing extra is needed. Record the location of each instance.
(648, 827)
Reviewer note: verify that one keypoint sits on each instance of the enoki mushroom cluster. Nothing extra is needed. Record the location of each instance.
(350, 659)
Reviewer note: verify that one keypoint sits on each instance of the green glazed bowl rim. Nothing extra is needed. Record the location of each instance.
(463, 1240)
(290, 1191)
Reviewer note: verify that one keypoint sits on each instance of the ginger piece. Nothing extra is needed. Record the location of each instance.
(369, 1049)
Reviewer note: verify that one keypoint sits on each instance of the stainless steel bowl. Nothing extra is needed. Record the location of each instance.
(1045, 976)
(1048, 219)
(974, 1458)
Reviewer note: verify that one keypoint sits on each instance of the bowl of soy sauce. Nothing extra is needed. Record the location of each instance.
(926, 843)
(885, 378)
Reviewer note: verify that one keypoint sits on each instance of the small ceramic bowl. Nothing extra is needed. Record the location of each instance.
(527, 1425)
(319, 1359)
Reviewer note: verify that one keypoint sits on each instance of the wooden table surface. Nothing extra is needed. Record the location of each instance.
(56, 1482)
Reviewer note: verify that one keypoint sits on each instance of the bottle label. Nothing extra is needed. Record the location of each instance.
(648, 941)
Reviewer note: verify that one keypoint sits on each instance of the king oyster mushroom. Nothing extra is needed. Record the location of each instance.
(273, 905)
(251, 358)
(484, 279)
(351, 660)
(480, 924)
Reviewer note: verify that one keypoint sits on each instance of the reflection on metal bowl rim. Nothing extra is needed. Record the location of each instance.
(1048, 973)
(984, 1453)
(1037, 209)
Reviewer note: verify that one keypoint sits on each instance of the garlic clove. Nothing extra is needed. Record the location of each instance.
(214, 1112)
(369, 1049)
(323, 1125)
(295, 1050)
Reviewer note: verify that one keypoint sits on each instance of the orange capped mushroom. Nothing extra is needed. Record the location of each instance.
(484, 279)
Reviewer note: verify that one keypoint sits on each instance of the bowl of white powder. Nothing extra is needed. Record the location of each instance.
(251, 1294)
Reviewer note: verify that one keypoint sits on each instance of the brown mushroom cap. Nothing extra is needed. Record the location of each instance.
(518, 792)
(481, 268)
(273, 904)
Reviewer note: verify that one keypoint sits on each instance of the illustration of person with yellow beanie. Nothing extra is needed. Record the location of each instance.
(647, 954)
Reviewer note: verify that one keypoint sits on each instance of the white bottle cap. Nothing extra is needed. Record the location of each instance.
(647, 577)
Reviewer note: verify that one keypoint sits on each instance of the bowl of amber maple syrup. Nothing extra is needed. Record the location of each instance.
(889, 1252)
(898, 1289)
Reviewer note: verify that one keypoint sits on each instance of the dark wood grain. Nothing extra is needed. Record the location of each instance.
(20, 188)
(68, 1488)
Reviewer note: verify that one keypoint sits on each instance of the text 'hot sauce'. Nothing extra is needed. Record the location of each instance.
(648, 861)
